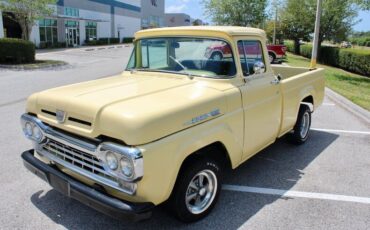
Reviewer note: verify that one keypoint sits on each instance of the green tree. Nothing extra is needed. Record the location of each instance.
(236, 12)
(337, 19)
(297, 20)
(27, 12)
(197, 22)
(269, 28)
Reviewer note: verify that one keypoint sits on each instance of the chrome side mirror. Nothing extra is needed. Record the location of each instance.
(258, 67)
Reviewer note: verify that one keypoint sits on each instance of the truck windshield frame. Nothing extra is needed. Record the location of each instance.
(192, 56)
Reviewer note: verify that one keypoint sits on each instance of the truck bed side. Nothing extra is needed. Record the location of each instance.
(298, 85)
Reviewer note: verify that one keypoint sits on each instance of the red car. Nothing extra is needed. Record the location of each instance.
(220, 51)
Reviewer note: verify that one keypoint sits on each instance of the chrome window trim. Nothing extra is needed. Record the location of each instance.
(189, 36)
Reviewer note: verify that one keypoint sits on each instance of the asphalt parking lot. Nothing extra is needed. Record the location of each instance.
(323, 184)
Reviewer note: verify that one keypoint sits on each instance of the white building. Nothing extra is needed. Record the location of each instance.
(76, 21)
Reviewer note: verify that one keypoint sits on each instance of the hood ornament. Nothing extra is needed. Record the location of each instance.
(61, 116)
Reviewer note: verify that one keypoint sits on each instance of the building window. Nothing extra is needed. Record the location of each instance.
(48, 31)
(73, 12)
(91, 31)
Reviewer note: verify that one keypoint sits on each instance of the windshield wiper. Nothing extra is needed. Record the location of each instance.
(183, 67)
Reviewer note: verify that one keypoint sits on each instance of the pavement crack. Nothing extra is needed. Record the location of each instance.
(12, 102)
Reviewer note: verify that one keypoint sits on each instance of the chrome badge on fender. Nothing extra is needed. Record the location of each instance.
(203, 117)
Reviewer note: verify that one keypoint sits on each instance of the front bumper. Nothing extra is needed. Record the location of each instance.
(87, 195)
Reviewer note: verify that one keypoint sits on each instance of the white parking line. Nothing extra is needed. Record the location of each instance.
(328, 104)
(287, 193)
(341, 131)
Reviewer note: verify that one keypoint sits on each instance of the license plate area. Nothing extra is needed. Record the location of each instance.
(36, 171)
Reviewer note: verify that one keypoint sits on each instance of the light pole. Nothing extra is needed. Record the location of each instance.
(316, 36)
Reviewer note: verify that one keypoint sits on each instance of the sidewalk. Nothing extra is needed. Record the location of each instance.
(343, 102)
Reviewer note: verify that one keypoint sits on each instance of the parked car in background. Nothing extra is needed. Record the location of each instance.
(345, 44)
(276, 53)
(220, 51)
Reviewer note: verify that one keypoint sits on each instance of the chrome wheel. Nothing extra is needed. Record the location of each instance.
(305, 125)
(271, 58)
(201, 191)
(217, 57)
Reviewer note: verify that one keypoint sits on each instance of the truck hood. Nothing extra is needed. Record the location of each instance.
(135, 109)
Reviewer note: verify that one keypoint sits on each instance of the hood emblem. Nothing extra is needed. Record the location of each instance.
(61, 116)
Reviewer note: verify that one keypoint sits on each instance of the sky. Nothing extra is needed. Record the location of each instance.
(195, 9)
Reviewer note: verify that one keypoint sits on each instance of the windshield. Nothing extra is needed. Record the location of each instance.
(191, 56)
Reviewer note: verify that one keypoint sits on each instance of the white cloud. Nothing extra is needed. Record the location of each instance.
(176, 9)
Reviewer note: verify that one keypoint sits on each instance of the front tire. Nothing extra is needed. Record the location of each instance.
(197, 190)
(302, 127)
(217, 56)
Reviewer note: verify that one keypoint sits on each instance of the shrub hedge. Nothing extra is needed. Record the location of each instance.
(13, 50)
(128, 40)
(361, 41)
(47, 45)
(354, 60)
(102, 41)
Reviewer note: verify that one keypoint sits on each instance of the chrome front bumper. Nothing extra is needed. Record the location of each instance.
(89, 196)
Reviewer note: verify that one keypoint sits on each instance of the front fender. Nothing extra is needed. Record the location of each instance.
(163, 158)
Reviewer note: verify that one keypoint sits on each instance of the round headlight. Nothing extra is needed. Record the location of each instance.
(28, 129)
(37, 134)
(111, 160)
(127, 167)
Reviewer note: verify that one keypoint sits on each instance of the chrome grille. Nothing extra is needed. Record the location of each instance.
(77, 158)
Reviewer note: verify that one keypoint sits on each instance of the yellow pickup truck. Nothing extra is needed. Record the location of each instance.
(166, 129)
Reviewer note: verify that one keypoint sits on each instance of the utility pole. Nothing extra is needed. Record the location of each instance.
(316, 37)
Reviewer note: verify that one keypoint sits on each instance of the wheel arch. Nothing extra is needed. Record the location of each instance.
(216, 151)
(309, 101)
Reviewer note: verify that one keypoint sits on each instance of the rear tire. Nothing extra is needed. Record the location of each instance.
(302, 127)
(197, 190)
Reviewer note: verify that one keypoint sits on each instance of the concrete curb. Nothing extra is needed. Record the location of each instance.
(343, 102)
(105, 47)
(22, 67)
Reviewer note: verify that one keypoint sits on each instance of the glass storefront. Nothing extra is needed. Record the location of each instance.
(72, 33)
(48, 31)
(91, 31)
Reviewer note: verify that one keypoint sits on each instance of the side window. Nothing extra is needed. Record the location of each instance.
(250, 52)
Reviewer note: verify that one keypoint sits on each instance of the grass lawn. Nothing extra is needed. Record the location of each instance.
(352, 86)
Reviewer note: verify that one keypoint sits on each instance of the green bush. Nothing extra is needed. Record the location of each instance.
(13, 50)
(306, 50)
(49, 45)
(354, 60)
(102, 41)
(357, 61)
(128, 40)
(109, 40)
(329, 55)
(361, 41)
(289, 45)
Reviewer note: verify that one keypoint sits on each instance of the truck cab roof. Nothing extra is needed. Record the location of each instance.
(201, 31)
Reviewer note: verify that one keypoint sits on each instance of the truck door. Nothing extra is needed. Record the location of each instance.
(262, 102)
